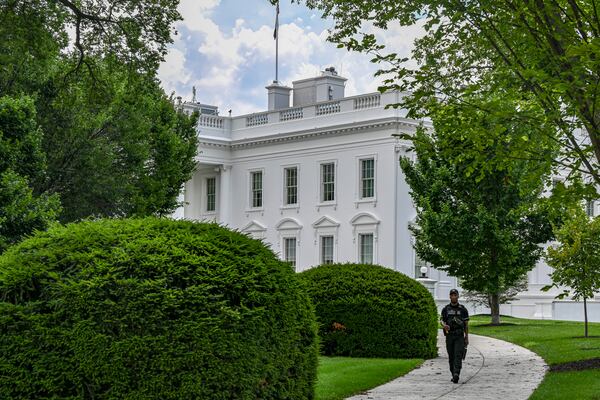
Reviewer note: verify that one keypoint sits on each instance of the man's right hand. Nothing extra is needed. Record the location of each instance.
(446, 328)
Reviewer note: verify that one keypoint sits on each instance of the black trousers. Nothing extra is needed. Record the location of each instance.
(455, 344)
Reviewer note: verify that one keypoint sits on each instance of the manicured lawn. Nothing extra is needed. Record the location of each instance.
(341, 377)
(580, 385)
(556, 342)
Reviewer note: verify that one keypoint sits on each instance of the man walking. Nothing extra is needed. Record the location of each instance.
(455, 322)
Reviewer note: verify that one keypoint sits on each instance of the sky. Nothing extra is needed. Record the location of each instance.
(225, 49)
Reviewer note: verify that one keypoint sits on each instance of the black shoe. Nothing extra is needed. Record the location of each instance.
(455, 378)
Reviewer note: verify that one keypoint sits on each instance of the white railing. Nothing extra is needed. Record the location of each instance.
(257, 119)
(369, 101)
(290, 114)
(327, 108)
(211, 121)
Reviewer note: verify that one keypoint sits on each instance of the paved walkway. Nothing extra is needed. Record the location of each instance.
(494, 370)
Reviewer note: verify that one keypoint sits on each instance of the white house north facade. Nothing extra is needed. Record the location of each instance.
(320, 182)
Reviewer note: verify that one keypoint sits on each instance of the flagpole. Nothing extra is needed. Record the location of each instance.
(277, 43)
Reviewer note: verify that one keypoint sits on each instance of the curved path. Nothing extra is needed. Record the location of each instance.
(494, 369)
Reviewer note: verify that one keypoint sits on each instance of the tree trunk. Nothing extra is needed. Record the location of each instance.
(585, 316)
(495, 308)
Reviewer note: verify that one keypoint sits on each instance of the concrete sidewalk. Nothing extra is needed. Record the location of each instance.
(494, 370)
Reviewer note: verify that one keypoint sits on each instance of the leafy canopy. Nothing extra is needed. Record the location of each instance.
(549, 51)
(484, 228)
(113, 141)
(21, 162)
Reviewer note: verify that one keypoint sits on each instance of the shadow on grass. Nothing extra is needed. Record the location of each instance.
(592, 363)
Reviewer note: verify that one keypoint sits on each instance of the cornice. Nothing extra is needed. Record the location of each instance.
(308, 134)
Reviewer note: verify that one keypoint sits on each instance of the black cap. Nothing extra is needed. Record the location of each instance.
(453, 291)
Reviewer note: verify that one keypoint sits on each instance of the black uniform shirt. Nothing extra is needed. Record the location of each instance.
(452, 315)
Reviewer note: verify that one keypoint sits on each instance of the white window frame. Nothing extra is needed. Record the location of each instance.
(365, 223)
(320, 192)
(590, 208)
(284, 255)
(250, 190)
(359, 247)
(205, 208)
(325, 226)
(284, 204)
(289, 228)
(359, 183)
(333, 248)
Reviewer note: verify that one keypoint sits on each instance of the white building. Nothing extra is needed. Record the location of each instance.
(320, 182)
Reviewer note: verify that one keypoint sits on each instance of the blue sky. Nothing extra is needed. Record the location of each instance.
(225, 48)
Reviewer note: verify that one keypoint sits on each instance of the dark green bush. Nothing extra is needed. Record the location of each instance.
(372, 311)
(152, 309)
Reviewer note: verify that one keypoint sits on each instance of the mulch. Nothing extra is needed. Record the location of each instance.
(592, 363)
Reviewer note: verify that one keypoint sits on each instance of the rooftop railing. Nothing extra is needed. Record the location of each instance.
(347, 104)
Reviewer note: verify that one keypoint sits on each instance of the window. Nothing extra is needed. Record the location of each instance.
(365, 252)
(326, 249)
(367, 178)
(328, 182)
(291, 185)
(257, 191)
(289, 250)
(211, 192)
(589, 208)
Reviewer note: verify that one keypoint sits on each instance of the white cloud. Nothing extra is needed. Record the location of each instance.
(172, 71)
(227, 58)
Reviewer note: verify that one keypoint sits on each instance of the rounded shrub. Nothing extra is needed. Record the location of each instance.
(372, 311)
(152, 309)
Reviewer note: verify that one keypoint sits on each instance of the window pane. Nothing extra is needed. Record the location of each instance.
(257, 189)
(211, 194)
(289, 249)
(367, 178)
(327, 249)
(366, 248)
(328, 182)
(291, 185)
(589, 208)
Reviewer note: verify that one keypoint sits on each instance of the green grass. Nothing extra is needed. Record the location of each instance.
(341, 377)
(580, 385)
(556, 342)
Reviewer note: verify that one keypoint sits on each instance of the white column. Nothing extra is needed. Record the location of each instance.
(225, 195)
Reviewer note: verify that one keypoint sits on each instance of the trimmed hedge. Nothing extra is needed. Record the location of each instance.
(152, 309)
(372, 311)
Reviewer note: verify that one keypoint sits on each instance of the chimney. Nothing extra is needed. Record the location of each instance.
(279, 96)
(328, 86)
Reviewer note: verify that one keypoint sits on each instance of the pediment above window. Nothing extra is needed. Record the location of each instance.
(254, 226)
(325, 222)
(365, 218)
(288, 224)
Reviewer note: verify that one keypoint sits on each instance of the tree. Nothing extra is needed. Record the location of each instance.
(504, 297)
(547, 50)
(136, 33)
(21, 162)
(485, 229)
(113, 141)
(117, 146)
(576, 259)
